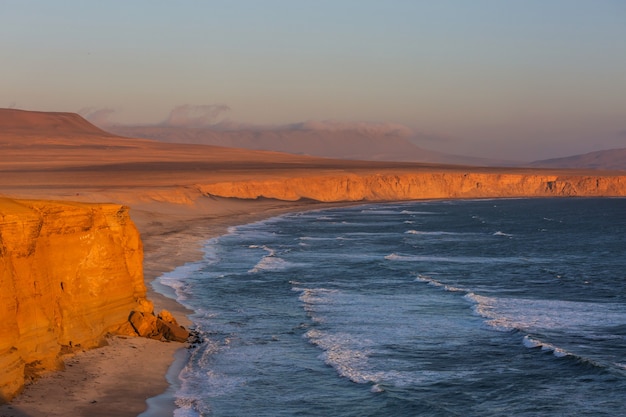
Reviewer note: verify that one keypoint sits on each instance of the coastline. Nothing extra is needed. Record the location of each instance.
(118, 379)
(182, 195)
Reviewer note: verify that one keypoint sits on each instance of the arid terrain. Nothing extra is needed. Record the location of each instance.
(181, 194)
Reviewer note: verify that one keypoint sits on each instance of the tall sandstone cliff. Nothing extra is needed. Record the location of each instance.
(69, 274)
(422, 185)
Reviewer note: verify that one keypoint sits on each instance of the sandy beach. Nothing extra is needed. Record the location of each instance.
(117, 379)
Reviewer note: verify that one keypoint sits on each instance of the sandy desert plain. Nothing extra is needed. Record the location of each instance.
(180, 195)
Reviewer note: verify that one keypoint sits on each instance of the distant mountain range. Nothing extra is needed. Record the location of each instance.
(352, 143)
(341, 142)
(612, 159)
(308, 139)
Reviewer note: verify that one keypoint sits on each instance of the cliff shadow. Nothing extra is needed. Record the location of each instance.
(8, 410)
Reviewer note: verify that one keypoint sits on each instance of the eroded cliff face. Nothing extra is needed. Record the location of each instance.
(421, 185)
(69, 274)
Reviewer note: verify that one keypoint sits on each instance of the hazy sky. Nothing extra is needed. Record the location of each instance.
(522, 79)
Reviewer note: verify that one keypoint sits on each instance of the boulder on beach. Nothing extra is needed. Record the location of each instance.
(161, 327)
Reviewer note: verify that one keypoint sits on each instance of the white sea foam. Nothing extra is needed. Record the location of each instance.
(374, 211)
(346, 353)
(186, 407)
(190, 398)
(315, 296)
(436, 233)
(531, 343)
(343, 353)
(457, 259)
(565, 320)
(347, 346)
(210, 251)
(417, 212)
(430, 281)
(316, 238)
(176, 284)
(315, 301)
(324, 218)
(176, 280)
(367, 234)
(376, 388)
(252, 232)
(269, 262)
(621, 366)
(350, 355)
(529, 314)
(396, 257)
(548, 219)
(500, 233)
(537, 315)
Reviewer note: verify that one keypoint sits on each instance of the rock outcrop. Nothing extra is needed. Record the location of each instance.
(422, 185)
(160, 327)
(70, 273)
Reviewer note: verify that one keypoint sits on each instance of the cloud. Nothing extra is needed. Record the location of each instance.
(97, 116)
(211, 117)
(188, 115)
(367, 128)
(622, 134)
(433, 138)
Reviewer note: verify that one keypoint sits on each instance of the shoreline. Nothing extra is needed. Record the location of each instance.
(163, 404)
(129, 376)
(181, 195)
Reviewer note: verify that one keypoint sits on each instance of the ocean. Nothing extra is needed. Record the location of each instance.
(511, 307)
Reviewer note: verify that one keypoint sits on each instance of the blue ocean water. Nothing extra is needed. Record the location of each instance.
(441, 308)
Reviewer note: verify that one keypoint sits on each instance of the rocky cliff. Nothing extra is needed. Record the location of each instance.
(69, 274)
(422, 185)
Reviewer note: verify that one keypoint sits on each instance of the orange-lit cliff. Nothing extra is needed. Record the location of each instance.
(424, 185)
(70, 273)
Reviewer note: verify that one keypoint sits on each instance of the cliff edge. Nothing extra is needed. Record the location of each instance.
(423, 185)
(70, 273)
(56, 123)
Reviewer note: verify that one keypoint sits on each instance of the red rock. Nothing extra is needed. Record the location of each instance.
(172, 332)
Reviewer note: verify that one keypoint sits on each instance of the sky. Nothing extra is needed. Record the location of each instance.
(512, 79)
